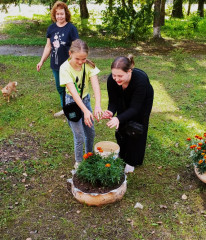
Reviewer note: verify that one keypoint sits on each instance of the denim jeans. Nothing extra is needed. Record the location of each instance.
(82, 133)
(59, 89)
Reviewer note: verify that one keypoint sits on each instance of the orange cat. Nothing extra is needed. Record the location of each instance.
(8, 89)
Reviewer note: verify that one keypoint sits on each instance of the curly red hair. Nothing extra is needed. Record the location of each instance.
(60, 5)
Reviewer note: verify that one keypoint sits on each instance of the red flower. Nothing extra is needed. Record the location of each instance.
(188, 139)
(201, 161)
(85, 156)
(199, 148)
(200, 143)
(196, 136)
(99, 148)
(89, 154)
(204, 134)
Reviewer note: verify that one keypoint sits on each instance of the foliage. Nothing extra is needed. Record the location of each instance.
(98, 170)
(192, 27)
(197, 149)
(128, 23)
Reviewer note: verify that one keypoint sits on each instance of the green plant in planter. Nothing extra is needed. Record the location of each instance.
(197, 149)
(101, 171)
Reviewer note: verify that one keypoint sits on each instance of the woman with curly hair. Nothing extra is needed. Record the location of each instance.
(60, 35)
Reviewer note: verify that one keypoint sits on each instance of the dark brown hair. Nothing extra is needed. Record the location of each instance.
(79, 45)
(60, 5)
(123, 63)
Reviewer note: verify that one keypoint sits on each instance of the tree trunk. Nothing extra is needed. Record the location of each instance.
(83, 9)
(177, 9)
(110, 5)
(156, 23)
(123, 4)
(189, 7)
(162, 13)
(201, 7)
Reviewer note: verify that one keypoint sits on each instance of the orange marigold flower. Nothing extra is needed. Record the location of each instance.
(188, 139)
(196, 136)
(199, 148)
(204, 151)
(200, 138)
(205, 157)
(89, 154)
(204, 134)
(100, 150)
(202, 154)
(201, 161)
(200, 143)
(85, 156)
(193, 146)
(108, 165)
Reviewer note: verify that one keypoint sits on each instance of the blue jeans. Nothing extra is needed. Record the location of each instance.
(82, 133)
(59, 89)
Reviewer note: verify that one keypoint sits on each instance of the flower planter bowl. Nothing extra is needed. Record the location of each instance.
(108, 148)
(202, 177)
(97, 199)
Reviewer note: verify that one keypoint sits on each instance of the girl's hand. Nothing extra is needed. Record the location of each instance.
(88, 118)
(38, 66)
(107, 114)
(114, 122)
(98, 113)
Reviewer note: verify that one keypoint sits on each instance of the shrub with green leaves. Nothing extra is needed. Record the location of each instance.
(98, 170)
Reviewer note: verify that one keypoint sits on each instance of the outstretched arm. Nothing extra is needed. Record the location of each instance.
(45, 55)
(97, 96)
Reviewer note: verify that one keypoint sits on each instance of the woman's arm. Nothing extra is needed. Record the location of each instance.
(88, 117)
(45, 55)
(97, 96)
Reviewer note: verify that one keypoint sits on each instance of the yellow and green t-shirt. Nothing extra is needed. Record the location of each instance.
(67, 74)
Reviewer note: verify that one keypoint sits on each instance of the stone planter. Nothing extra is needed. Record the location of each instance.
(202, 177)
(96, 199)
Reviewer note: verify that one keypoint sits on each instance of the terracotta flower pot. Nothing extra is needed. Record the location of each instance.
(202, 177)
(97, 199)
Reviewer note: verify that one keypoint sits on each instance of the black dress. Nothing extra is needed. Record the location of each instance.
(132, 103)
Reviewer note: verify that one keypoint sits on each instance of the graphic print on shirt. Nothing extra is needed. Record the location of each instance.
(56, 44)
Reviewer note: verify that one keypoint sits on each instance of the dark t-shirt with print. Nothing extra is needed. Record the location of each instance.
(61, 39)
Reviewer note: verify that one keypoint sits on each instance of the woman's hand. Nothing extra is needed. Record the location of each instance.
(39, 65)
(98, 113)
(114, 122)
(107, 114)
(88, 118)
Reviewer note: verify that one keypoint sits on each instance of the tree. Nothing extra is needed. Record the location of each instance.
(162, 13)
(156, 22)
(84, 13)
(177, 9)
(201, 7)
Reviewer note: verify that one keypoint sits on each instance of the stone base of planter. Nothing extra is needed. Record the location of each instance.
(96, 199)
(202, 177)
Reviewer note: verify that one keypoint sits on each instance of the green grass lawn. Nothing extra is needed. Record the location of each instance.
(37, 157)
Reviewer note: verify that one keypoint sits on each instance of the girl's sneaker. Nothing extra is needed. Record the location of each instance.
(128, 169)
(76, 165)
(58, 114)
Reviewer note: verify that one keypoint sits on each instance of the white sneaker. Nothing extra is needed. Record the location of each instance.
(76, 165)
(128, 169)
(59, 113)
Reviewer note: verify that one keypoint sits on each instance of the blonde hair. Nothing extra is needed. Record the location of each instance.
(79, 45)
(123, 63)
(60, 5)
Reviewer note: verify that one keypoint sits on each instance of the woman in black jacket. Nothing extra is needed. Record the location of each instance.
(131, 97)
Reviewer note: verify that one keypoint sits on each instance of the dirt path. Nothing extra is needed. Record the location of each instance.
(148, 48)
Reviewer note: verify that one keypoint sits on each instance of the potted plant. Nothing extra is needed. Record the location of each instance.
(99, 179)
(197, 147)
